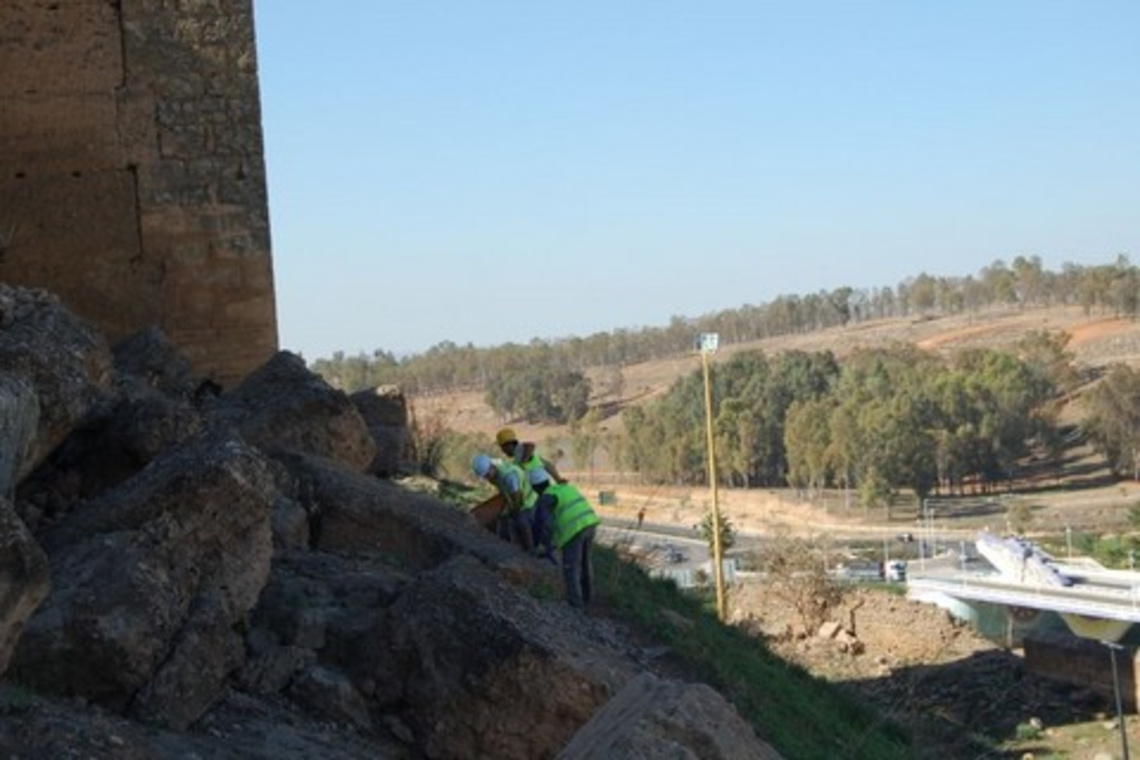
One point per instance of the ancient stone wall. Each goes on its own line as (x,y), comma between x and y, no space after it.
(132,176)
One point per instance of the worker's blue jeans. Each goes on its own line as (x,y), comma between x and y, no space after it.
(578,569)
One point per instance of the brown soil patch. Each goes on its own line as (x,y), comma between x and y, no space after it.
(935,676)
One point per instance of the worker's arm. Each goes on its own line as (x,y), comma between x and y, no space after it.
(512,492)
(553,471)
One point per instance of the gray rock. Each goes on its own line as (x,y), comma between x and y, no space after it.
(290,525)
(273,669)
(60,356)
(153,582)
(282,406)
(490,671)
(358,513)
(329,693)
(118,439)
(385,412)
(337,605)
(150,356)
(19,421)
(651,719)
(25,579)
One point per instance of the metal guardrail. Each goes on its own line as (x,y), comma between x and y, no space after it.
(1110,603)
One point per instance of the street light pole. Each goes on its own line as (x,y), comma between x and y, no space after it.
(707,343)
(1112,649)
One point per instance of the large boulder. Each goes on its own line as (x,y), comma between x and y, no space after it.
(67,363)
(490,671)
(153,582)
(385,412)
(117,440)
(283,406)
(653,718)
(358,513)
(25,579)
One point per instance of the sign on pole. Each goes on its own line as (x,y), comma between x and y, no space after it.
(707,342)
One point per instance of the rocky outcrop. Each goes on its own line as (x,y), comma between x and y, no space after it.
(385,412)
(116,441)
(490,672)
(217,575)
(283,406)
(66,363)
(152,582)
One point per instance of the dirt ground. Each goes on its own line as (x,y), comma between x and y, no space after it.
(955,692)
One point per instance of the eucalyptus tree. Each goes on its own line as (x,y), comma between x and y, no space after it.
(1009,407)
(1113,419)
(808,442)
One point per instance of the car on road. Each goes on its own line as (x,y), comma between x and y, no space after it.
(894,571)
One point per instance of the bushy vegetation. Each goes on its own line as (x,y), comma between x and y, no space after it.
(538,393)
(438,451)
(883,421)
(1114,419)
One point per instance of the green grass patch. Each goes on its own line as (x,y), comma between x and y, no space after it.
(801,716)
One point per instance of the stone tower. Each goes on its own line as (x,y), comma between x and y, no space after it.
(132,170)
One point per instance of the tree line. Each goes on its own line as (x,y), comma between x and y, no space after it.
(449,367)
(884,420)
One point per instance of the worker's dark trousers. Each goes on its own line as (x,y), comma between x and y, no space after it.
(578,569)
(521,529)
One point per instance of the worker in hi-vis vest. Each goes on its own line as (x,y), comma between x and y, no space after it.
(517,517)
(568,522)
(525,454)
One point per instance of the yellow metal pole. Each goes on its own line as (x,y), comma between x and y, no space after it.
(718,552)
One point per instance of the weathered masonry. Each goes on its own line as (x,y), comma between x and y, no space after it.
(132,170)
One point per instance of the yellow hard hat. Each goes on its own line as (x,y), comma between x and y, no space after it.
(505,435)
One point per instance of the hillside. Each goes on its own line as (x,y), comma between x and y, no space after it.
(1096,341)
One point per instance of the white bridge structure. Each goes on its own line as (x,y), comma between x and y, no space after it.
(1024,584)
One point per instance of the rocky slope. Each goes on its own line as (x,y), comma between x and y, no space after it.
(190,571)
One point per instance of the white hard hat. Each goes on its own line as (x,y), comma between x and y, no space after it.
(481,464)
(538,475)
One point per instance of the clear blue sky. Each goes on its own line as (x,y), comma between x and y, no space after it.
(496,171)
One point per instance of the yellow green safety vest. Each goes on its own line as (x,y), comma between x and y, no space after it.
(572,514)
(529,497)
